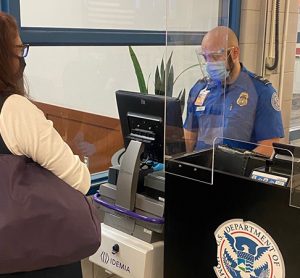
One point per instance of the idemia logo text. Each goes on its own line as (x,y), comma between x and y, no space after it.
(245,250)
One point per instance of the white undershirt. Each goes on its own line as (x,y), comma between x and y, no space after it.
(26,131)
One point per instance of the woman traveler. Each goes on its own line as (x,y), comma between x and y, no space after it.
(24,130)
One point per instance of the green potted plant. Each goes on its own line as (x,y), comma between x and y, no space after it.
(163,80)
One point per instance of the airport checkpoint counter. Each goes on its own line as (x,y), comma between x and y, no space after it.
(132,232)
(133,199)
(245,224)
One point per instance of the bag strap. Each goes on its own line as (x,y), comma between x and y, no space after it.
(3,147)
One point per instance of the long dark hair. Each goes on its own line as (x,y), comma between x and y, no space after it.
(10,83)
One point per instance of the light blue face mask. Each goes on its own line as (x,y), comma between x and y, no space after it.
(217,70)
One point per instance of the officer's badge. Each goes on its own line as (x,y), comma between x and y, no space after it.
(275,101)
(201,97)
(243,99)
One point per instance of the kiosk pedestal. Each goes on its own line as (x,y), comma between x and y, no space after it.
(235,227)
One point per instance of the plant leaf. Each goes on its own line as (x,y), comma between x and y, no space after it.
(182,99)
(168,66)
(170,82)
(138,71)
(148,82)
(162,78)
(169,76)
(157,84)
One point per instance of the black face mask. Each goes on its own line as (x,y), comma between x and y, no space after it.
(19,74)
(22,65)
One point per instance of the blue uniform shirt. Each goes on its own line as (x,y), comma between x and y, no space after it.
(246,110)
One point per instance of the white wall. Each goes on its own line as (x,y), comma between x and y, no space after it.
(86,77)
(296,86)
(106,14)
(191,15)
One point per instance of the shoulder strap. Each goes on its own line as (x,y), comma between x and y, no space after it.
(3,148)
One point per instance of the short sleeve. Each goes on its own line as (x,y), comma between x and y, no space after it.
(268,121)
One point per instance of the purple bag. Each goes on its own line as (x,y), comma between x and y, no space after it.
(44,222)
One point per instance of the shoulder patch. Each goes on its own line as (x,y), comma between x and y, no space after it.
(275,101)
(260,78)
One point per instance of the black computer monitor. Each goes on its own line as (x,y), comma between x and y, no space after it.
(142,118)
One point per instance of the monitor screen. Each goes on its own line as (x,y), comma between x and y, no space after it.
(142,118)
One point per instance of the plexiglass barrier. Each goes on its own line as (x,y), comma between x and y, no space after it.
(189,137)
(276,165)
(77,91)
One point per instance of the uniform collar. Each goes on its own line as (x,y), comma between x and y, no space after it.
(212,84)
(202,83)
(240,81)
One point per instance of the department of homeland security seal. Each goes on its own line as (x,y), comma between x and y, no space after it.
(246,250)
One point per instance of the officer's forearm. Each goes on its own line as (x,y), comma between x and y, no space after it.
(265,147)
(264,150)
(190,139)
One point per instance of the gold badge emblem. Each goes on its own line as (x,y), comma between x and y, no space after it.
(243,99)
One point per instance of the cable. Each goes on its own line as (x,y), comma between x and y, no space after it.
(120,155)
(116,157)
(274,66)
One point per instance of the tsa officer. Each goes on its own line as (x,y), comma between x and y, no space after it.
(232,102)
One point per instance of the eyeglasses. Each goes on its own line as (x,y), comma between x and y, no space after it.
(214,55)
(23,50)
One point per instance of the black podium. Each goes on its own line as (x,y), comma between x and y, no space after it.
(260,231)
